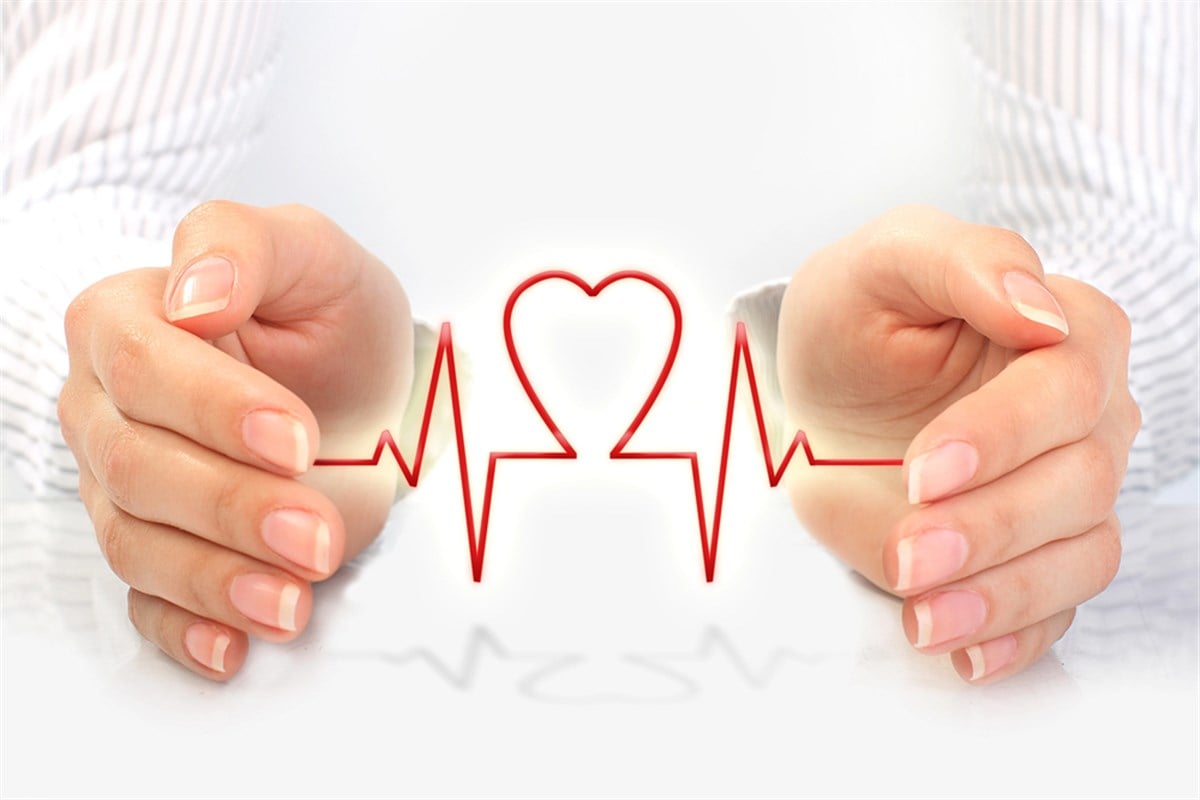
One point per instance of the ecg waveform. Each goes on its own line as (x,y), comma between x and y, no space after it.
(709,533)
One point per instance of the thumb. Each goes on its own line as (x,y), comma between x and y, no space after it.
(231,262)
(931,267)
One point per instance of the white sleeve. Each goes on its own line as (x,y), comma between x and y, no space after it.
(116,118)
(1089,150)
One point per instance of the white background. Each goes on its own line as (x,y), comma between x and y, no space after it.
(716,145)
(724,140)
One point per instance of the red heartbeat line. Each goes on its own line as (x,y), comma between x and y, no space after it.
(477,534)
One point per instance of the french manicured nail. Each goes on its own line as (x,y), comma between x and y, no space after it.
(988,657)
(948,616)
(299,536)
(941,471)
(266,599)
(277,437)
(204,287)
(207,645)
(1033,301)
(929,557)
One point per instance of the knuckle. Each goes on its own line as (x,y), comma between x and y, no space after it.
(118,462)
(1119,322)
(219,225)
(1070,621)
(90,493)
(71,418)
(212,416)
(76,317)
(113,534)
(1008,241)
(227,507)
(203,216)
(1013,601)
(1109,551)
(127,361)
(1005,530)
(1135,418)
(1103,474)
(993,247)
(306,215)
(90,309)
(196,590)
(894,228)
(133,608)
(1082,375)
(64,409)
(163,628)
(1019,597)
(325,235)
(909,215)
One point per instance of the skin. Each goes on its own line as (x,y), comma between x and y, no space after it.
(315,327)
(895,339)
(901,337)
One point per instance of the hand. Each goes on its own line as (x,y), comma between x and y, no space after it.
(923,334)
(196,398)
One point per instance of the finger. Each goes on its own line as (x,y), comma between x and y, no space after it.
(1053,497)
(73,402)
(197,575)
(288,290)
(90,492)
(929,267)
(1007,655)
(205,647)
(231,261)
(1014,595)
(159,476)
(167,377)
(1044,399)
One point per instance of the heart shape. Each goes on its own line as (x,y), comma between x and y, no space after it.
(568,450)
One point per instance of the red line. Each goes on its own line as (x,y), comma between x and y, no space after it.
(477,534)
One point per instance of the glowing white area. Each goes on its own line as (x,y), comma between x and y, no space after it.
(593,361)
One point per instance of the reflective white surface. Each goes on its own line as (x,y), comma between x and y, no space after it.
(590,670)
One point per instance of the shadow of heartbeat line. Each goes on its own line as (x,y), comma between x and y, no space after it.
(715,645)
(709,533)
(680,675)
(482,645)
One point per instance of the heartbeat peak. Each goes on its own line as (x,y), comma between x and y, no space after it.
(709,533)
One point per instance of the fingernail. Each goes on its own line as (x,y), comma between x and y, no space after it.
(1033,301)
(207,645)
(941,471)
(990,656)
(929,557)
(947,616)
(277,437)
(204,287)
(266,599)
(299,536)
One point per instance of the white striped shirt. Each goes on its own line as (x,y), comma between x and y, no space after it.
(117,118)
(1089,116)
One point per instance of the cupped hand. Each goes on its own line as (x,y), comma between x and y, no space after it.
(198,398)
(1005,389)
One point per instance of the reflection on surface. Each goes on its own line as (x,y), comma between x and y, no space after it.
(786,677)
(56,584)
